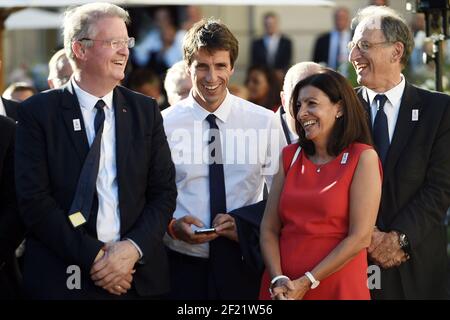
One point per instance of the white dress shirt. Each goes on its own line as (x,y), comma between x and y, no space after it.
(2,108)
(391,107)
(246,165)
(108,217)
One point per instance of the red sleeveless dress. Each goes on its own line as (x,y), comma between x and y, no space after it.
(314,211)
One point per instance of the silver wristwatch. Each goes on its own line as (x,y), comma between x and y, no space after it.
(403,241)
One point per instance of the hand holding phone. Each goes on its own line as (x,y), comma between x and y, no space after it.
(205,231)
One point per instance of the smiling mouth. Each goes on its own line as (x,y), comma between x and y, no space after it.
(119,62)
(361,66)
(308,123)
(210,88)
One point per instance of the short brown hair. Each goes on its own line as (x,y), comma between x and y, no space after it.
(211,35)
(351,127)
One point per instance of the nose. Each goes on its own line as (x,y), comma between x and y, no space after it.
(124,49)
(212,75)
(354,54)
(302,112)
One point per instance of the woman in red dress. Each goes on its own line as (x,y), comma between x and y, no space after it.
(324,200)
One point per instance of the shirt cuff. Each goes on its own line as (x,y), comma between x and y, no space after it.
(137,248)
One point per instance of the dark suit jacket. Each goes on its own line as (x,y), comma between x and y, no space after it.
(49,158)
(10,108)
(416,195)
(11,227)
(283,56)
(322,48)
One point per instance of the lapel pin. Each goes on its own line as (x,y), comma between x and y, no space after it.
(344,158)
(415,115)
(77,219)
(124,110)
(76,125)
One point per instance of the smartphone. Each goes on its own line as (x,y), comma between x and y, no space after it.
(206,230)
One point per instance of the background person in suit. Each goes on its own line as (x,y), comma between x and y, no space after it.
(411,131)
(11,227)
(213,265)
(119,249)
(273,50)
(331,47)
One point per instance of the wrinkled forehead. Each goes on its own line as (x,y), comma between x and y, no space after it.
(370,29)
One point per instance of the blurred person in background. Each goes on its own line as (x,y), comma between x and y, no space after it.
(8,108)
(274,49)
(263,87)
(177,83)
(160,40)
(145,81)
(59,69)
(330,48)
(19,91)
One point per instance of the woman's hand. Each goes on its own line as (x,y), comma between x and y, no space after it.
(297,288)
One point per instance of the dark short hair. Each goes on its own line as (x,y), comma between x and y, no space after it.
(211,35)
(351,127)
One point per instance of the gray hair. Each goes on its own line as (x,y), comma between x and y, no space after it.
(394,27)
(173,82)
(56,63)
(299,72)
(80,22)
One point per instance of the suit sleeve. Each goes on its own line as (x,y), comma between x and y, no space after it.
(11,227)
(289,53)
(427,208)
(161,194)
(41,213)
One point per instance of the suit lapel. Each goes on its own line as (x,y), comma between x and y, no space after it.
(71,112)
(360,92)
(403,128)
(123,129)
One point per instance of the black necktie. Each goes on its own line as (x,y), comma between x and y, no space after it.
(217,195)
(86,187)
(380,128)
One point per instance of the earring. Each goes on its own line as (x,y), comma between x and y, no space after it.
(338,116)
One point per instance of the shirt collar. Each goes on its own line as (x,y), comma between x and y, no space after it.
(222,112)
(394,95)
(88,101)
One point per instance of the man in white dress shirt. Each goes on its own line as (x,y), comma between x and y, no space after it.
(212,181)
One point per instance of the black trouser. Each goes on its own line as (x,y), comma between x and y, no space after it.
(190,278)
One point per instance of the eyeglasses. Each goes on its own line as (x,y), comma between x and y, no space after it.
(365,46)
(114,44)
